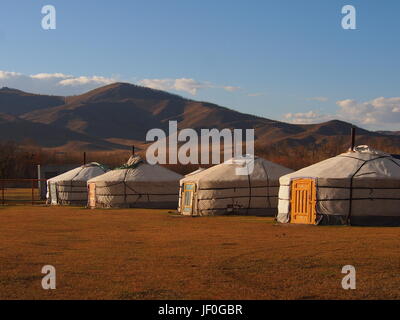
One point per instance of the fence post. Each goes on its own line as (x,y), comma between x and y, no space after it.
(2,192)
(39,175)
(33,192)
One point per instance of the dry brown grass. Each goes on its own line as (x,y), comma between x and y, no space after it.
(150,254)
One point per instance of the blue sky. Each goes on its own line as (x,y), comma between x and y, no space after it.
(286,60)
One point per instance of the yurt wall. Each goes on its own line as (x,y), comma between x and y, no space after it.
(70,187)
(220,190)
(136,184)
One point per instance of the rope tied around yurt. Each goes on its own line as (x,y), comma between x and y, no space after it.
(250,193)
(132,163)
(83,167)
(268,188)
(351,182)
(96,164)
(395,162)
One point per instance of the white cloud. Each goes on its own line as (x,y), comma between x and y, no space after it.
(65,84)
(379,112)
(50,76)
(231,88)
(184,84)
(188,85)
(79,81)
(307,117)
(8,74)
(376,114)
(52,83)
(160,84)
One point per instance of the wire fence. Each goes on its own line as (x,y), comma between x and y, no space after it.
(22,191)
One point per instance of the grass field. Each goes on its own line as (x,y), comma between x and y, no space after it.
(150,254)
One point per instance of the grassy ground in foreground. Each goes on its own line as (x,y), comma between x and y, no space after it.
(153,254)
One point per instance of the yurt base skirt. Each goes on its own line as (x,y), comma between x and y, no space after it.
(73,203)
(375,221)
(142,205)
(331,220)
(263,212)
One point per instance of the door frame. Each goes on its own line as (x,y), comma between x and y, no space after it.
(188,209)
(53,193)
(92,195)
(308,185)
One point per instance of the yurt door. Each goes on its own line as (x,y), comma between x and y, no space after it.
(303,201)
(53,193)
(92,195)
(187,199)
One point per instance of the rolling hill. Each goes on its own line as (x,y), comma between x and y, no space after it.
(118,115)
(16,129)
(16,102)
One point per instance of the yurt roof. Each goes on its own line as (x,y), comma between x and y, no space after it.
(226,171)
(82,173)
(137,169)
(362,163)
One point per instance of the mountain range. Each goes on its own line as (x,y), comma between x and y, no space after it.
(119,115)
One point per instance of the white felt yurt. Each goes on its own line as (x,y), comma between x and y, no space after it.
(70,188)
(361,187)
(136,184)
(237,186)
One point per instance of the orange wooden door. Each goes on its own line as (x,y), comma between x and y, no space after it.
(303,201)
(92,195)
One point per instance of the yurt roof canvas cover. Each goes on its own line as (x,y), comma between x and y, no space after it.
(137,169)
(226,172)
(360,164)
(82,173)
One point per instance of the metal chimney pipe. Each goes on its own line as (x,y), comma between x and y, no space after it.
(84,158)
(133,150)
(353,138)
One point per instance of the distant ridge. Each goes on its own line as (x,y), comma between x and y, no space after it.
(389,133)
(120,114)
(17,102)
(13,128)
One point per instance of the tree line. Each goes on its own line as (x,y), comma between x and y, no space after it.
(20,161)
